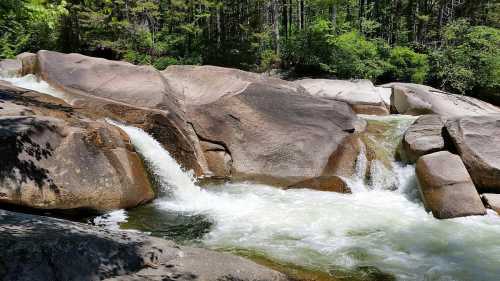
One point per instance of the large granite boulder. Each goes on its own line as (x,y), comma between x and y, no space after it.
(415,99)
(425,136)
(198,85)
(41,248)
(138,95)
(446,187)
(477,140)
(119,81)
(264,130)
(362,95)
(53,158)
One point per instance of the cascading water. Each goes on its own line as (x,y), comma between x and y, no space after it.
(329,232)
(31,82)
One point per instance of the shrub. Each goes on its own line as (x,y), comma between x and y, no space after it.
(407,65)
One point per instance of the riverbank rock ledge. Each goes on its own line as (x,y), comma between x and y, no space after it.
(415,99)
(477,140)
(44,249)
(423,137)
(361,95)
(53,158)
(446,187)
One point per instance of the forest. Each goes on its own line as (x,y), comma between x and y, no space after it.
(450,44)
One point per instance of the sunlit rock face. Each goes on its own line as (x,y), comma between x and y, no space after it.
(415,99)
(423,137)
(272,131)
(446,186)
(54,158)
(477,139)
(361,95)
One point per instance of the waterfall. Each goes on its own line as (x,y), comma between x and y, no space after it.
(389,230)
(329,232)
(31,82)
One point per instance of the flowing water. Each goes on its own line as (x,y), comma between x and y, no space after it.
(330,232)
(31,82)
(372,234)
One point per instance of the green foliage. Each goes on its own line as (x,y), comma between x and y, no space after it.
(407,65)
(379,40)
(28,25)
(356,57)
(470,59)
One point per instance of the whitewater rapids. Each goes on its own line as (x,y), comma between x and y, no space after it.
(389,230)
(373,227)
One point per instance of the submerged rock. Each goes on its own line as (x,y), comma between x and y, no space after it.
(477,140)
(415,99)
(423,137)
(492,201)
(40,248)
(361,95)
(324,183)
(54,158)
(446,186)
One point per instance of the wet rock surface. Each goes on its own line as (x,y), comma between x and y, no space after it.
(40,248)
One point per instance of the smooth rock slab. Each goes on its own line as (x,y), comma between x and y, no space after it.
(45,249)
(477,140)
(361,95)
(423,137)
(446,187)
(415,99)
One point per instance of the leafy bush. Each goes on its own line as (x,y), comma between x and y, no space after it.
(353,56)
(470,59)
(407,65)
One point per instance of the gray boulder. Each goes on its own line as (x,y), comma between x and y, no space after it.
(119,81)
(139,95)
(415,99)
(256,128)
(361,95)
(45,249)
(423,137)
(477,140)
(54,158)
(446,187)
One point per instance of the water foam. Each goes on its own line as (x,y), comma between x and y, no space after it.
(31,82)
(385,229)
(372,227)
